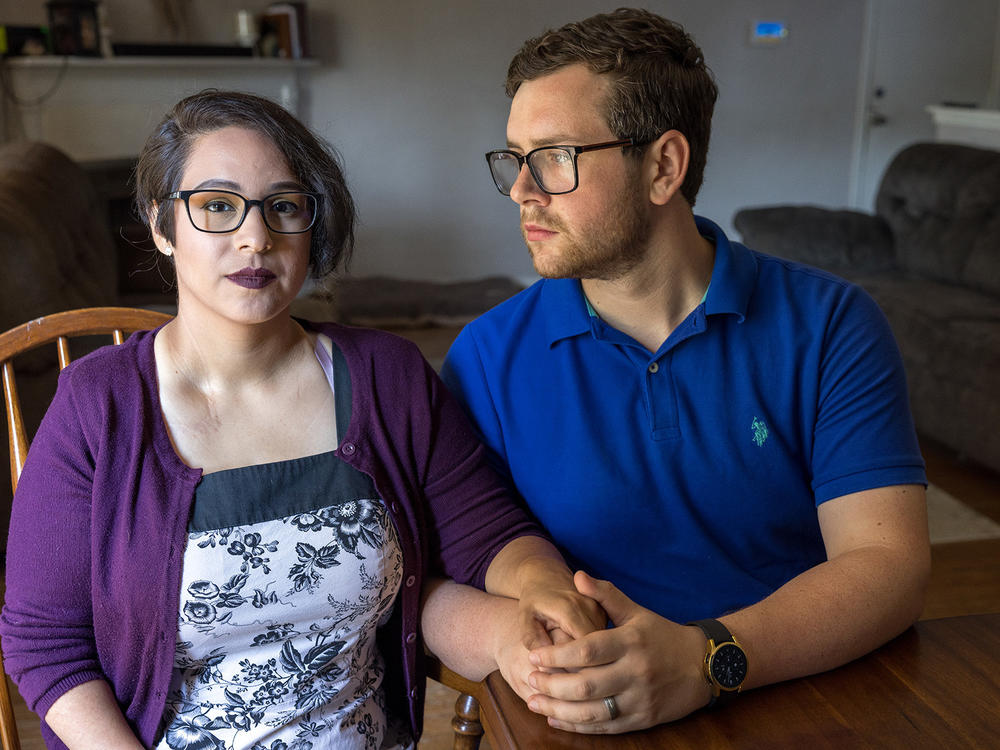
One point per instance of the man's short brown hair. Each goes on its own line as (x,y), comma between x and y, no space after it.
(659,78)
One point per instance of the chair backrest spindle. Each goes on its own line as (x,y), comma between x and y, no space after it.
(17,439)
(62,345)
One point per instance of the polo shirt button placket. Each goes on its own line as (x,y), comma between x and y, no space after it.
(660,398)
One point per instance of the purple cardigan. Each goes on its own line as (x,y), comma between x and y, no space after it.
(98,529)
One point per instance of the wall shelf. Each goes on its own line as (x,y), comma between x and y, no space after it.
(96,108)
(53,62)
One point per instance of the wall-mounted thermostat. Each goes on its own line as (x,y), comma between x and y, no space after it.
(768,33)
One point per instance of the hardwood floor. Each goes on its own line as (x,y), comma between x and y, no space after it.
(965,578)
(976,486)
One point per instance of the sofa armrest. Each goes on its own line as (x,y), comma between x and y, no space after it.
(838,241)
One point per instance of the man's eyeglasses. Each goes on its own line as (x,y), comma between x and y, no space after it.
(219,211)
(553,167)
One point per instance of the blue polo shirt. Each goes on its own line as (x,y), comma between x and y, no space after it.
(690,476)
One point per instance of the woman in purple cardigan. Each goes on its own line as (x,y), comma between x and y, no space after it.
(223,526)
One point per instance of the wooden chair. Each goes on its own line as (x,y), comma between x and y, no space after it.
(467,723)
(117,322)
(56,328)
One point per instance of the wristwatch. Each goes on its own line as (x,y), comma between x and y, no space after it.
(725,661)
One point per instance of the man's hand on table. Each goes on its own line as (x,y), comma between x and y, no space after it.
(650,666)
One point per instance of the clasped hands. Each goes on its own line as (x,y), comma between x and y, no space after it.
(566,662)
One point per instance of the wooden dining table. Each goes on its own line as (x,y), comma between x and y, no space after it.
(935,686)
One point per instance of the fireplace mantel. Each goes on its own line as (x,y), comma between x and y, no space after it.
(99,109)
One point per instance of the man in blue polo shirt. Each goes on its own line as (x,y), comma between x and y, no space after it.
(721,438)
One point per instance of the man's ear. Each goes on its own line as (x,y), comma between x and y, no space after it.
(671,155)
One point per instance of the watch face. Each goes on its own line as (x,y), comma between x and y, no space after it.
(729,666)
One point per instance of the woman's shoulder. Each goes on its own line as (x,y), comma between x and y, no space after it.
(112,367)
(98,385)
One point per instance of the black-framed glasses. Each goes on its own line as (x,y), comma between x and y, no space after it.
(553,167)
(219,211)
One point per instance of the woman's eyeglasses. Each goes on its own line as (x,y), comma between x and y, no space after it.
(220,211)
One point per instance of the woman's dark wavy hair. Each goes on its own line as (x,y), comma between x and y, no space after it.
(314,163)
(659,77)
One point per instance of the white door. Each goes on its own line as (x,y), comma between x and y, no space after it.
(920,52)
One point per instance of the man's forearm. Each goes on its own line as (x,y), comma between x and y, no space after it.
(531,570)
(524,561)
(830,614)
(870,589)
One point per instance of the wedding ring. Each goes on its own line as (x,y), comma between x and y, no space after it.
(612,707)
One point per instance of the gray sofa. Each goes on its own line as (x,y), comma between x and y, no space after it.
(930,256)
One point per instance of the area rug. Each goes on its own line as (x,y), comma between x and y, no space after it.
(951,520)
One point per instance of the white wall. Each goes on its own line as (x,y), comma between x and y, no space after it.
(415,99)
(411,93)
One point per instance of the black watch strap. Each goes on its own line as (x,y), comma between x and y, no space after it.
(715,630)
(718,634)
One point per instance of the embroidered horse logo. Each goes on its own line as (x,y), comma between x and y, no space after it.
(759,431)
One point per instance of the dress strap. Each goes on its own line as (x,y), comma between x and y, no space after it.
(324,361)
(338,376)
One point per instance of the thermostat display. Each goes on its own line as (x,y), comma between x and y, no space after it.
(768,32)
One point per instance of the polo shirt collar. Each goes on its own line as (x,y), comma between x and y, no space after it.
(733,275)
(565,309)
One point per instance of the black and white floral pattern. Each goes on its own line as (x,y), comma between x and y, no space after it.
(276,646)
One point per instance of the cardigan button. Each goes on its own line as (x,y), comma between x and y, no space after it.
(412,637)
(395,508)
(410,581)
(349,449)
(413,694)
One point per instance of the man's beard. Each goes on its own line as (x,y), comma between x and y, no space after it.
(607,251)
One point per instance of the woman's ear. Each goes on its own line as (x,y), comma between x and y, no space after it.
(162,244)
(671,155)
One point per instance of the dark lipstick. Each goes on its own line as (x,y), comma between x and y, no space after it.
(252,278)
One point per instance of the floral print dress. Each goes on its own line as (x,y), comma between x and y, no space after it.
(289,569)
